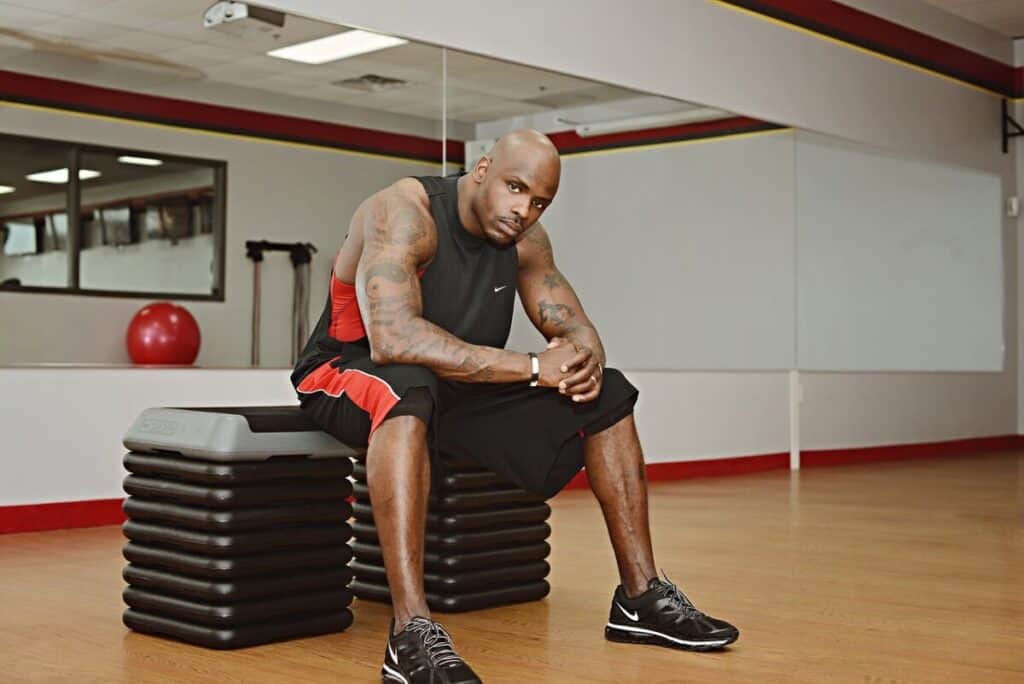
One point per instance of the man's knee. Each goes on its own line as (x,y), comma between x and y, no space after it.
(417,402)
(614,384)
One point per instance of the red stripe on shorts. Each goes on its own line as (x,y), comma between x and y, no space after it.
(368,392)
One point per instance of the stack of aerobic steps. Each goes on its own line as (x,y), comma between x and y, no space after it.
(485,542)
(238,526)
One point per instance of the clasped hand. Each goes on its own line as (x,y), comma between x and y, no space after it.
(573,368)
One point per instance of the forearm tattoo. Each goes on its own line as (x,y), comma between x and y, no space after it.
(553,280)
(555,314)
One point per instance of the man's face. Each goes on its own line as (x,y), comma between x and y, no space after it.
(513,195)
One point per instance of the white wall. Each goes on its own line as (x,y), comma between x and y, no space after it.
(63,427)
(62,444)
(275,191)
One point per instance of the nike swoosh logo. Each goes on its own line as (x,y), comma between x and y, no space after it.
(635,617)
(499,289)
(392,653)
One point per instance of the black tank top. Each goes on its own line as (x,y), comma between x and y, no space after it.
(468,289)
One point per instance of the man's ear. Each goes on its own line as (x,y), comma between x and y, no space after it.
(481,168)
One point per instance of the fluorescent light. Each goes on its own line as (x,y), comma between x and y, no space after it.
(338,46)
(6,189)
(61,175)
(654,121)
(140,161)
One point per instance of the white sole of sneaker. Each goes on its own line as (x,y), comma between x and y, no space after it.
(640,635)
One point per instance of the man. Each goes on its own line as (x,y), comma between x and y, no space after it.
(409,358)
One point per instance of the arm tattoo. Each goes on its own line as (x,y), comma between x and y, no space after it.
(407,234)
(553,280)
(556,314)
(383,270)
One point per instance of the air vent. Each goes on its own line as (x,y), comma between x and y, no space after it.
(371,83)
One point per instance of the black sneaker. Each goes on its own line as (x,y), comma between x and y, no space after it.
(422,653)
(664,616)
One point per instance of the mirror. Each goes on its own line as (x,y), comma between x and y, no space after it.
(33,213)
(149,224)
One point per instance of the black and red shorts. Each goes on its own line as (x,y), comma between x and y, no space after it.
(533,436)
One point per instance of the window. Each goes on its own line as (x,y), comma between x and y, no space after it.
(149,224)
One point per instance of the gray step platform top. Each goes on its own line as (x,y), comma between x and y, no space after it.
(233,433)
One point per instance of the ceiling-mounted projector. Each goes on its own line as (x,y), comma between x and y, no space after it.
(222,13)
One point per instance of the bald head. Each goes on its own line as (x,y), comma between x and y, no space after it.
(513,184)
(527,147)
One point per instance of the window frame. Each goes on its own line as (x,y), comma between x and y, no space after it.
(72,208)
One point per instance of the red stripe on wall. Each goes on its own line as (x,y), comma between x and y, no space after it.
(867,30)
(682,470)
(900,452)
(53,516)
(62,515)
(124,104)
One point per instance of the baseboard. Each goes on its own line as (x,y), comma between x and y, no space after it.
(74,514)
(714,467)
(60,515)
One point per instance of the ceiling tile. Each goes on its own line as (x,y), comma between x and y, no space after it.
(288,85)
(17,17)
(500,110)
(201,55)
(15,43)
(237,74)
(143,13)
(516,82)
(464,63)
(145,42)
(57,6)
(190,29)
(1003,16)
(425,110)
(75,29)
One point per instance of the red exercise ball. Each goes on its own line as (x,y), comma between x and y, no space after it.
(163,333)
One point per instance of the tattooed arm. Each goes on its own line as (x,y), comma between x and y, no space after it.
(400,238)
(556,312)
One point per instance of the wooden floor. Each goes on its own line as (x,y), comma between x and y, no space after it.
(896,572)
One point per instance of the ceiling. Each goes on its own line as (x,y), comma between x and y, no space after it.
(1002,16)
(168,35)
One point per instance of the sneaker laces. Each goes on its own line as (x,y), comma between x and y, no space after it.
(436,640)
(670,591)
